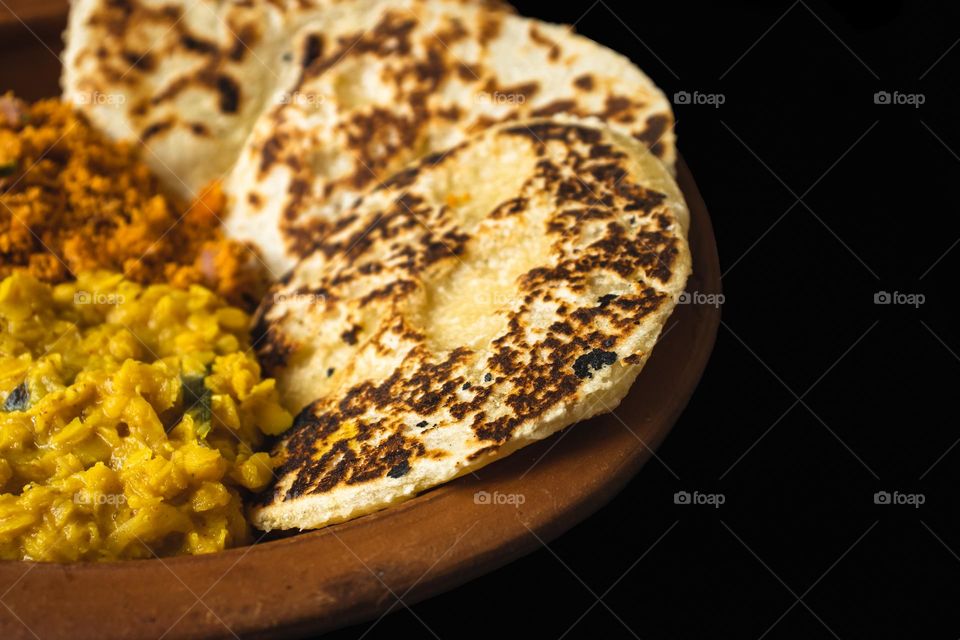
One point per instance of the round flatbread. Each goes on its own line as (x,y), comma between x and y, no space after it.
(477,301)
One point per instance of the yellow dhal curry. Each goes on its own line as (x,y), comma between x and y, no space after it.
(130,420)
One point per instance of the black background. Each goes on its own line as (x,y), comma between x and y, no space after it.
(820,199)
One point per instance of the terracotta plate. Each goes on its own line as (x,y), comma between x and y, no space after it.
(347,573)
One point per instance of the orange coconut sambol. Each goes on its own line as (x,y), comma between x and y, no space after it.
(72,201)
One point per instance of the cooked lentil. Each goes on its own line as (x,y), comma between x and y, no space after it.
(131,420)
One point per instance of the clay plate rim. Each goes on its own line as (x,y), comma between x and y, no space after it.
(321,580)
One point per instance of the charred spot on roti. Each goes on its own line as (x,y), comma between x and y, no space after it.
(585,82)
(652,136)
(229,93)
(156,128)
(244,39)
(269,152)
(140,61)
(199,129)
(312,49)
(479,453)
(390,36)
(555,107)
(400,179)
(490,27)
(468,72)
(519,92)
(543,131)
(399,470)
(452,32)
(375,136)
(640,199)
(197,44)
(618,108)
(510,207)
(308,234)
(595,360)
(350,336)
(553,49)
(434,159)
(273,348)
(432,70)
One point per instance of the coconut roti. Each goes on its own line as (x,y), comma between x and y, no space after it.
(476,302)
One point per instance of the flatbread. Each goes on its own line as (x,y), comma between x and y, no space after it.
(374,90)
(188,78)
(477,301)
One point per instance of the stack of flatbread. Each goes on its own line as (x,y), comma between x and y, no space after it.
(471,216)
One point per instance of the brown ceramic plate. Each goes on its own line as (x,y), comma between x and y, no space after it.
(324,579)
